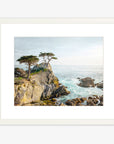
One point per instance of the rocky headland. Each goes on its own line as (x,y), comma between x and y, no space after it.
(42,87)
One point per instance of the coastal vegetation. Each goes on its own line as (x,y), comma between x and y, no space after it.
(28,60)
(32,60)
(47,57)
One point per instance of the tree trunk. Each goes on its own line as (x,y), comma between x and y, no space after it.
(29,72)
(44,60)
(49,61)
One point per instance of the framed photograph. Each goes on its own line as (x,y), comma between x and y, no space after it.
(57,71)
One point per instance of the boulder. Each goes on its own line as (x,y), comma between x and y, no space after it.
(76,101)
(90,102)
(93,100)
(100,104)
(60,92)
(62,104)
(20,72)
(87,82)
(69,103)
(101,101)
(101,98)
(99,85)
(78,78)
(83,101)
(54,100)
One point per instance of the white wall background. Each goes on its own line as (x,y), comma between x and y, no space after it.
(56,8)
(56,134)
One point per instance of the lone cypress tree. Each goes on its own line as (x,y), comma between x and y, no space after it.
(47,57)
(50,56)
(43,55)
(29,60)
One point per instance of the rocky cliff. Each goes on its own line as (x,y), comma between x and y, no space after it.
(43,85)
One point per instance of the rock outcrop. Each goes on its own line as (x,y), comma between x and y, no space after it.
(99,85)
(87,82)
(42,66)
(89,101)
(27,92)
(62,90)
(75,102)
(20,72)
(42,86)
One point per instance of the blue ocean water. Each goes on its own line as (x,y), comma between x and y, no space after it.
(68,75)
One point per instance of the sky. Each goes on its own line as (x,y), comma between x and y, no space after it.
(68,50)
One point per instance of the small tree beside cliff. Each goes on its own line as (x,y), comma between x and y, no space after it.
(50,56)
(47,57)
(43,55)
(28,60)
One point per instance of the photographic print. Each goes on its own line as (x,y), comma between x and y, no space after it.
(58,71)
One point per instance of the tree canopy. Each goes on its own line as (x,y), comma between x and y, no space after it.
(32,60)
(47,57)
(29,60)
(42,54)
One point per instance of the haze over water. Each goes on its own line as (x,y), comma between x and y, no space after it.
(68,50)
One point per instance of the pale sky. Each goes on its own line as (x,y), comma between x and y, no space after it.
(68,50)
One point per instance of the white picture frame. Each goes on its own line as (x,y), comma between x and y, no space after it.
(59,121)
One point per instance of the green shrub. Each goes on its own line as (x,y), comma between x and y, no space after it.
(39,70)
(18,80)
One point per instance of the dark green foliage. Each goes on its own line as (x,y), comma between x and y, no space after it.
(47,57)
(20,78)
(42,54)
(39,70)
(54,58)
(29,60)
(50,54)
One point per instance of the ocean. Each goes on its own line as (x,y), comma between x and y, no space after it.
(68,76)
